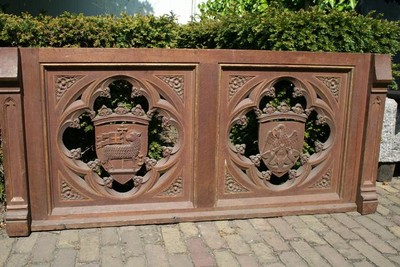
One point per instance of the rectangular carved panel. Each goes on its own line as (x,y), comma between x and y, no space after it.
(137,136)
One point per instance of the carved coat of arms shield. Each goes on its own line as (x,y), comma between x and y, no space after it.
(280,144)
(121,144)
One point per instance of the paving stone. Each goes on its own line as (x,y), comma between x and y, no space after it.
(375,228)
(337,242)
(41,264)
(16,259)
(246,230)
(89,245)
(225,228)
(395,230)
(363,263)
(332,256)
(43,250)
(291,258)
(369,252)
(261,224)
(313,223)
(189,229)
(295,221)
(132,244)
(395,259)
(150,234)
(275,241)
(263,253)
(283,228)
(394,199)
(180,260)
(225,259)
(210,234)
(199,252)
(25,244)
(136,261)
(389,188)
(109,236)
(68,239)
(339,228)
(375,241)
(237,244)
(383,210)
(111,256)
(172,240)
(395,244)
(276,264)
(247,260)
(346,220)
(156,255)
(380,219)
(310,236)
(65,257)
(6,246)
(309,254)
(84,264)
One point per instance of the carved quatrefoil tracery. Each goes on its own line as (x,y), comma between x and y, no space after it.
(120,136)
(281,134)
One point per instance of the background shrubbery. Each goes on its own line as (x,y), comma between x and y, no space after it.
(273,28)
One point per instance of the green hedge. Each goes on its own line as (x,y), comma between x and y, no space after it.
(274,29)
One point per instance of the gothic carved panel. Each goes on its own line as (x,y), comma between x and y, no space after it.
(281,132)
(236,82)
(120,136)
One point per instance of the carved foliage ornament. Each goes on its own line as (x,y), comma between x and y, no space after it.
(236,82)
(63,83)
(332,83)
(231,186)
(175,82)
(176,189)
(69,193)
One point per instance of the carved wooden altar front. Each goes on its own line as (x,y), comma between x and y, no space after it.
(101,137)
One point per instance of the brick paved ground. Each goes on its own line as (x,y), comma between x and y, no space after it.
(344,239)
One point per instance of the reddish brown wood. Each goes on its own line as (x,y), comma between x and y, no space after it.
(202,175)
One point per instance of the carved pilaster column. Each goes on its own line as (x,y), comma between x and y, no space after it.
(380,78)
(13,137)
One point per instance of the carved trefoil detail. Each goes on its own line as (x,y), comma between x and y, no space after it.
(175,189)
(236,82)
(69,193)
(175,82)
(63,83)
(333,84)
(325,181)
(231,186)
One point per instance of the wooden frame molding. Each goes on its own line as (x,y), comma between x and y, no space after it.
(198,134)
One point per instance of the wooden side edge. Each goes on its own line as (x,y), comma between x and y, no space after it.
(380,77)
(13,138)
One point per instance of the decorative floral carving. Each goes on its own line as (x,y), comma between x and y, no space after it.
(137,181)
(258,112)
(297,92)
(63,83)
(256,160)
(266,175)
(166,151)
(377,100)
(151,113)
(332,83)
(149,163)
(138,111)
(104,111)
(236,82)
(321,120)
(292,174)
(175,189)
(231,186)
(240,149)
(283,107)
(105,92)
(75,153)
(325,181)
(318,146)
(304,159)
(243,121)
(121,109)
(75,124)
(270,92)
(94,165)
(269,109)
(298,109)
(69,193)
(108,181)
(175,82)
(136,92)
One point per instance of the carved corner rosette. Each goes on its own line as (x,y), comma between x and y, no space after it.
(175,82)
(69,193)
(64,82)
(236,82)
(333,84)
(175,189)
(231,186)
